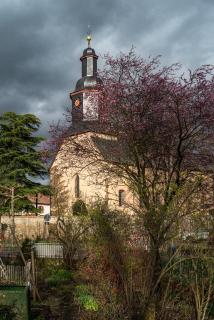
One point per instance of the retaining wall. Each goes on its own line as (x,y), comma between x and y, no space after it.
(28,226)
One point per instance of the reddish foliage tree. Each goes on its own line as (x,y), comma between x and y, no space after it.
(163,121)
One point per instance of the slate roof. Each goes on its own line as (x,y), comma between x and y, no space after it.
(112,150)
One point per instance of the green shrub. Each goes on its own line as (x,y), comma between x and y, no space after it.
(79,208)
(40,318)
(7,312)
(85,299)
(58,276)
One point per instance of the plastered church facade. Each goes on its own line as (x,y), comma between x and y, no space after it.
(74,175)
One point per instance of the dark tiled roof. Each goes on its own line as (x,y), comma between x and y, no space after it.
(111,149)
(88,82)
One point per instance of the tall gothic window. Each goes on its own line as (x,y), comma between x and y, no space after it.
(121,197)
(77,186)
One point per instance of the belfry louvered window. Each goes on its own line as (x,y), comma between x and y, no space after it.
(77,186)
(121,197)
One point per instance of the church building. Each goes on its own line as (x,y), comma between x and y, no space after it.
(82,173)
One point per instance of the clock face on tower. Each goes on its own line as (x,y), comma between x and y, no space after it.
(77,102)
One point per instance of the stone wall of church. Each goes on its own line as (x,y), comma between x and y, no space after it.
(92,189)
(93,183)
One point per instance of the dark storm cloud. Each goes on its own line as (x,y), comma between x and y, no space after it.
(42,40)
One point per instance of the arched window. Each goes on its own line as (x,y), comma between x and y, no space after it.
(77,186)
(121,197)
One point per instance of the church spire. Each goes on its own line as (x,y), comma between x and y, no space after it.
(85,104)
(89,37)
(89,59)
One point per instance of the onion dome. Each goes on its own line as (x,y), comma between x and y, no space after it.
(89,78)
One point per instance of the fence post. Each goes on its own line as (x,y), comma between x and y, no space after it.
(33,274)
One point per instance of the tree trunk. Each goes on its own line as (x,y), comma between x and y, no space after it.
(154,289)
(12,209)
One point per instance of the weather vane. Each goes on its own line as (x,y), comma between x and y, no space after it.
(89,37)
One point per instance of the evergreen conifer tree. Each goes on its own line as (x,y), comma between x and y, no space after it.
(20,161)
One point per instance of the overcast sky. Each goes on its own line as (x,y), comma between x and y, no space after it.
(41,42)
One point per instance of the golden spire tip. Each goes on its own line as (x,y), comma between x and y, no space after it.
(89,37)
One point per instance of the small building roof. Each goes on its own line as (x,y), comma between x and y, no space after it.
(40,199)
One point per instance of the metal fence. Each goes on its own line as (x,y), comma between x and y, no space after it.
(9,251)
(13,274)
(48,250)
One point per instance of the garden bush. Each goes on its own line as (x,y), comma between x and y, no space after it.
(79,208)
(58,276)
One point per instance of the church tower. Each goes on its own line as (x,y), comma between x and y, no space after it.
(85,104)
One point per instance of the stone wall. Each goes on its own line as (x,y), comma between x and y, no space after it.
(28,226)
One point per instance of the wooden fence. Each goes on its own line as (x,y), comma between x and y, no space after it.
(18,275)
